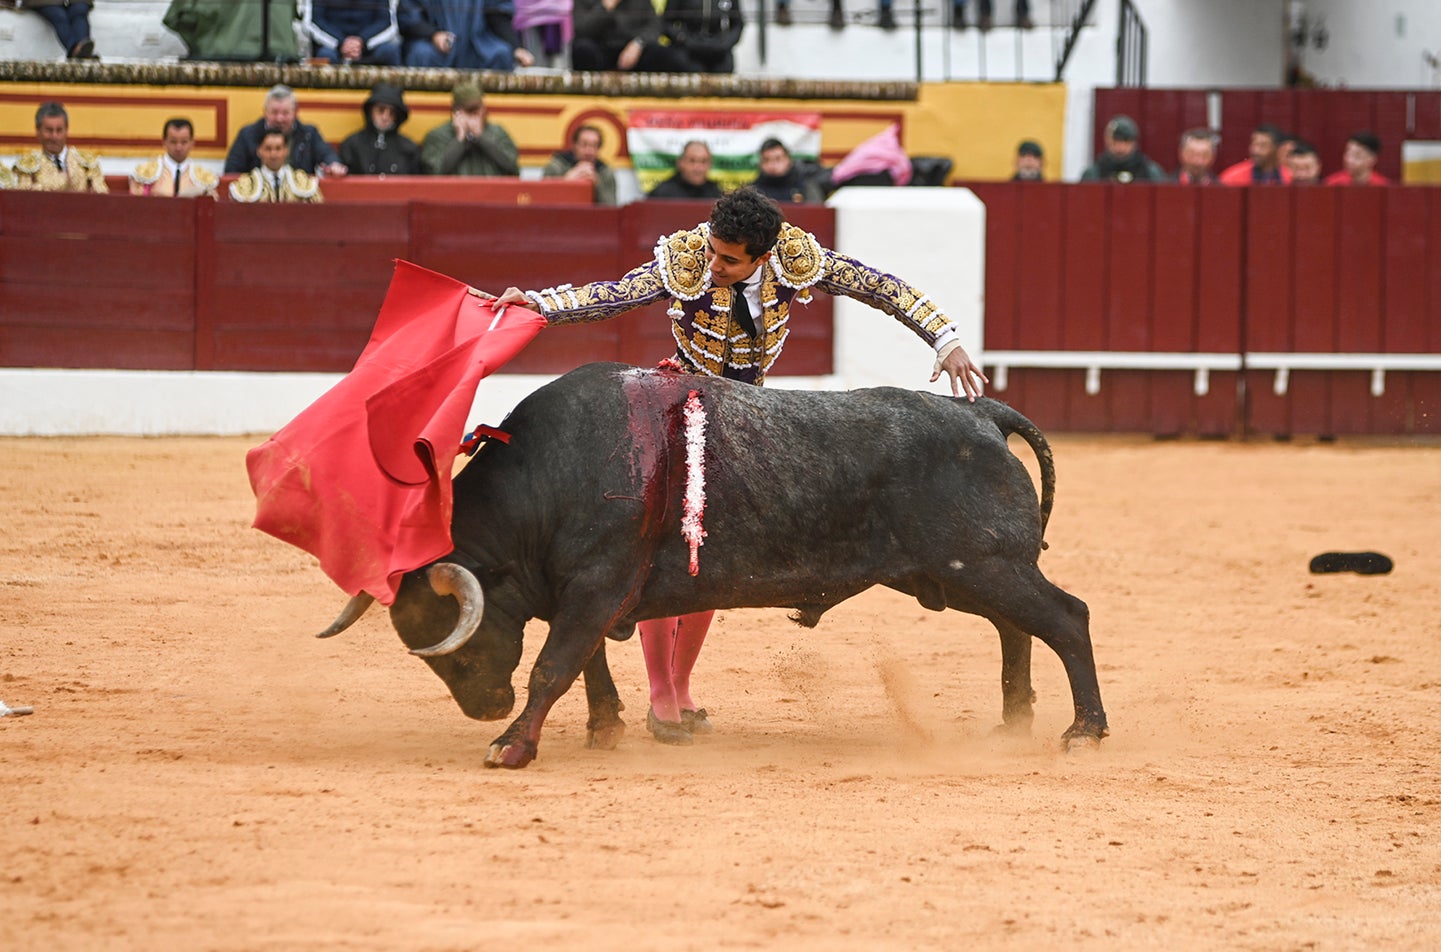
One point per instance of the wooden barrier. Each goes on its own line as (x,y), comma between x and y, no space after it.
(1159,309)
(126,282)
(453,189)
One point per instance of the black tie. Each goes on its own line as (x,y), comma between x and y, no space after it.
(58,164)
(741,309)
(177,181)
(277,186)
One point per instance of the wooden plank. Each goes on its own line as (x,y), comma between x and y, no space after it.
(236,223)
(1176,265)
(1267,325)
(85,216)
(99,348)
(1040,257)
(1003,262)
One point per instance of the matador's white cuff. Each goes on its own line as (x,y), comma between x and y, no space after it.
(944,352)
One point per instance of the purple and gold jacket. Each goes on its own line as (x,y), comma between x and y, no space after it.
(708,340)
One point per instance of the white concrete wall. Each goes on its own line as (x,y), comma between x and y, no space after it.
(934,238)
(1381,44)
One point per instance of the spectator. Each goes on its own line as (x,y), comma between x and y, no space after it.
(729,313)
(692,176)
(780,180)
(309,152)
(622,35)
(1305,164)
(71,21)
(7,179)
(1197,154)
(275,180)
(379,148)
(1358,162)
(350,32)
(582,163)
(705,32)
(885,15)
(1030,162)
(462,35)
(226,30)
(173,175)
(987,20)
(56,166)
(1122,161)
(1264,166)
(468,144)
(545,26)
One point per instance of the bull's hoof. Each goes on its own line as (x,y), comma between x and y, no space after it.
(511,756)
(1080,743)
(605,738)
(1016,729)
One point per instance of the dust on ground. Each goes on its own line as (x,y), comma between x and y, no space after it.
(200,773)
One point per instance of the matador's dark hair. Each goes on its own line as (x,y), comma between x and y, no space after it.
(747,217)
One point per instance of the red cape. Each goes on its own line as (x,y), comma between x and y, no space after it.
(361,478)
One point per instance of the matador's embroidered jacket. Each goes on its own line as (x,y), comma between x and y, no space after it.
(708,340)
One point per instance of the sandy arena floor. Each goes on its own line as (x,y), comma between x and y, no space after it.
(201,774)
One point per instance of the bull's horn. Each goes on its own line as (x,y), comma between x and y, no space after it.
(447,578)
(349,615)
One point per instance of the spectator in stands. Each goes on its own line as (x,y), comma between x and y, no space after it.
(1358,162)
(309,152)
(1122,161)
(885,15)
(622,35)
(172,174)
(779,178)
(1305,164)
(987,20)
(226,30)
(353,32)
(1264,167)
(1030,162)
(705,32)
(692,175)
(469,144)
(1197,154)
(275,180)
(379,148)
(443,33)
(544,27)
(582,163)
(57,166)
(71,21)
(7,179)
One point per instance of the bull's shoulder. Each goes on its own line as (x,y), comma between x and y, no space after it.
(680,259)
(799,257)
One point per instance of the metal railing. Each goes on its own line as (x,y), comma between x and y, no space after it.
(1131,41)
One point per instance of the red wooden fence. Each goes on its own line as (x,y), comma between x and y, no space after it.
(1268,281)
(125,282)
(1104,300)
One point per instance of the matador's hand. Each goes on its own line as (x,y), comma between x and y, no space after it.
(963,371)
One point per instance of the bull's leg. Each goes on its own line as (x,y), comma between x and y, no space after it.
(1017,697)
(604,728)
(1019,595)
(568,648)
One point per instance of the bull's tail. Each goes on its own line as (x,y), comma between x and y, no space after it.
(1009,420)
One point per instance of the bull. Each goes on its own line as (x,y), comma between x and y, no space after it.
(587,519)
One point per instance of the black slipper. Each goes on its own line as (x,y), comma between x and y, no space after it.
(1362,563)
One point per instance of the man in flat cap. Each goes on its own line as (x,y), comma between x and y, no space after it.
(1030,162)
(469,144)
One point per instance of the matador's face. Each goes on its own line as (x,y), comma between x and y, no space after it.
(729,262)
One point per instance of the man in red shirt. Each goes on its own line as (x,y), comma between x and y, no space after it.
(1264,167)
(1358,162)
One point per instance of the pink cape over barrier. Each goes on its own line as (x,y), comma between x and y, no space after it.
(361,479)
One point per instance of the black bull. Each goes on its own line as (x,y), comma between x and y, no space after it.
(810,498)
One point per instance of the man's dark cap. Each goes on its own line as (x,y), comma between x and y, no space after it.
(1123,129)
(1029,147)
